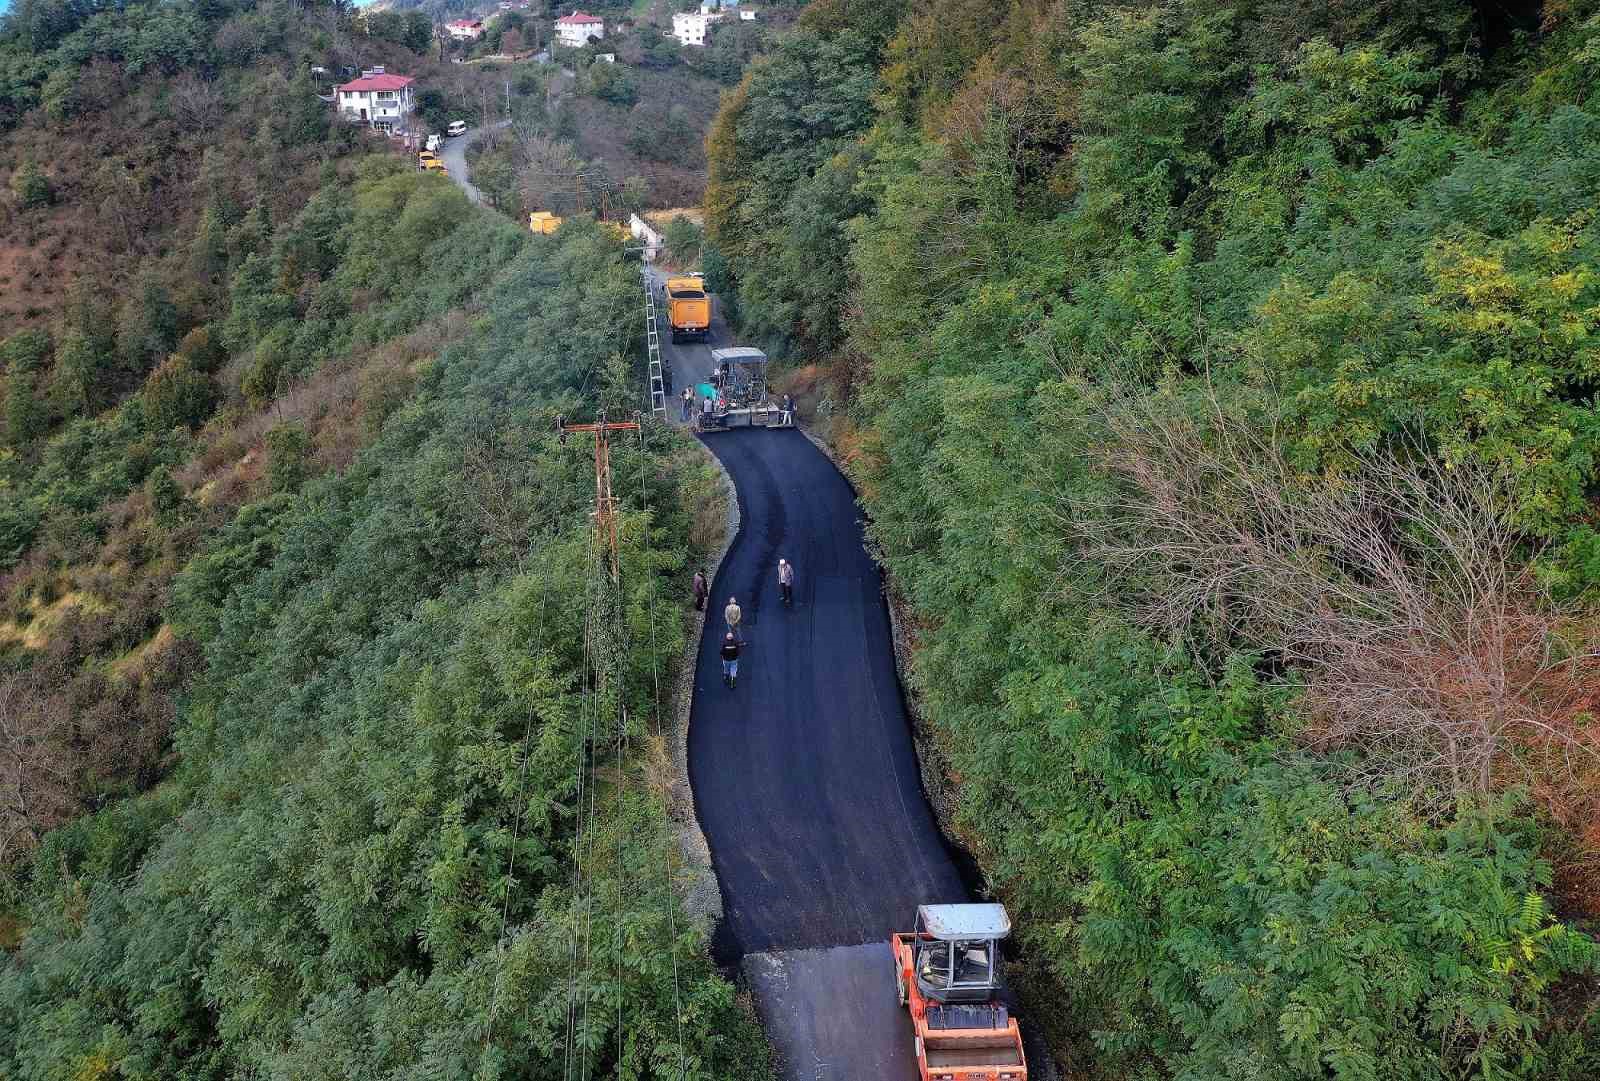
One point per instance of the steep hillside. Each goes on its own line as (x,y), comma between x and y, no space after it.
(1220,381)
(301,714)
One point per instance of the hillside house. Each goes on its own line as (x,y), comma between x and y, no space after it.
(578,29)
(691,27)
(465,29)
(747,15)
(377,99)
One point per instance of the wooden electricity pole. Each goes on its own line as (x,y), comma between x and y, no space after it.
(605,504)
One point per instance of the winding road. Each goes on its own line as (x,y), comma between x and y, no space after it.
(453,152)
(805,777)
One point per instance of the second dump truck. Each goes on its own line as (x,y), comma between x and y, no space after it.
(688,309)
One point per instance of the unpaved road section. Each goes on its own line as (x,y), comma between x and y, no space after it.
(453,152)
(805,777)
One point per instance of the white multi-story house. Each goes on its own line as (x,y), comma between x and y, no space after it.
(578,29)
(465,29)
(747,15)
(377,98)
(691,27)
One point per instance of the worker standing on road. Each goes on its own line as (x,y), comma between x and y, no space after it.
(733,615)
(701,591)
(688,403)
(730,661)
(786,581)
(705,412)
(788,411)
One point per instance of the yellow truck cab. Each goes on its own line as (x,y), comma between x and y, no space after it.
(427,159)
(688,308)
(543,222)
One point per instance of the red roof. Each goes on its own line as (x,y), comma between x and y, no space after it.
(467,24)
(578,18)
(378,82)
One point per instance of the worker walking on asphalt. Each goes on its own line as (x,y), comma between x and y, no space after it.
(701,591)
(788,411)
(733,615)
(730,661)
(786,581)
(688,403)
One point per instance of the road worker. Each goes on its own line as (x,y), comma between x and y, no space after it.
(733,615)
(786,581)
(730,661)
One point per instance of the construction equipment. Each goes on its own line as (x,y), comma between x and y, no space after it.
(688,308)
(428,160)
(543,222)
(738,387)
(947,971)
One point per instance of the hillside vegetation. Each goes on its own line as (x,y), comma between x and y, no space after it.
(297,679)
(1220,380)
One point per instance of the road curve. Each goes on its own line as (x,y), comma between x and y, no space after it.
(805,777)
(453,152)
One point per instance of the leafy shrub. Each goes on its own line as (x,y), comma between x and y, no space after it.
(31,187)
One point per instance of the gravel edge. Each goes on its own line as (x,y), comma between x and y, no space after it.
(703,898)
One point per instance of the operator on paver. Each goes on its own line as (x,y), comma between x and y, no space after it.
(730,661)
(786,581)
(705,412)
(733,615)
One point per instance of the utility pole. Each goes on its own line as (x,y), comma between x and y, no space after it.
(605,504)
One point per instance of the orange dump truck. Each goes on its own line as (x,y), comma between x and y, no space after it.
(688,308)
(947,971)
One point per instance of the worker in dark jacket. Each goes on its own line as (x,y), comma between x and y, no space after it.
(730,661)
(701,591)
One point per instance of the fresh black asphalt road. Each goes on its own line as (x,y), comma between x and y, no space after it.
(805,777)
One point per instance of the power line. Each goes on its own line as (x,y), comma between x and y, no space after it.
(666,854)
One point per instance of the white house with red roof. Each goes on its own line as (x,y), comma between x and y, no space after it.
(465,29)
(578,29)
(377,98)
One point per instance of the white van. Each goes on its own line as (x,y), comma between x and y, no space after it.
(457,127)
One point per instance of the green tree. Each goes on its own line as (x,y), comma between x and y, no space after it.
(288,457)
(27,350)
(683,239)
(167,500)
(85,370)
(27,413)
(177,395)
(31,187)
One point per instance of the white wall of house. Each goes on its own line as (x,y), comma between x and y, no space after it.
(642,230)
(691,27)
(380,108)
(577,35)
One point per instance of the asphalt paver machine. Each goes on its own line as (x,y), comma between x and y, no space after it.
(738,385)
(947,971)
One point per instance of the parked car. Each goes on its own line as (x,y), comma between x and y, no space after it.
(457,127)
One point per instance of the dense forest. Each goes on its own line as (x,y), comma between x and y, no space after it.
(1220,381)
(297,688)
